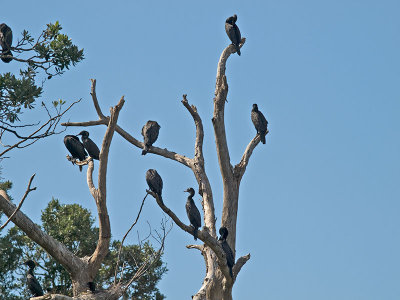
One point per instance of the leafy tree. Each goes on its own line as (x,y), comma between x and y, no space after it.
(42,58)
(72,225)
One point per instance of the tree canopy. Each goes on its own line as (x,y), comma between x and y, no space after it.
(41,58)
(72,225)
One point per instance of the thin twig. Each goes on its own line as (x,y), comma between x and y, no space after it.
(28,190)
(123,239)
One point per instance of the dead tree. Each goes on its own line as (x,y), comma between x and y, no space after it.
(217,283)
(83,269)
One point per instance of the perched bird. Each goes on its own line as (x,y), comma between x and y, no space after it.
(89,145)
(31,281)
(233,32)
(192,212)
(92,286)
(150,134)
(260,123)
(75,147)
(223,231)
(154,181)
(5,42)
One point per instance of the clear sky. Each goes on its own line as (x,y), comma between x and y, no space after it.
(319,207)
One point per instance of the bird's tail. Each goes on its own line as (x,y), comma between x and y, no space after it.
(145,149)
(6,59)
(237,49)
(195,233)
(230,271)
(262,136)
(80,168)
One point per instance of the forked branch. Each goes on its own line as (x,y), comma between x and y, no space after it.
(240,168)
(202,235)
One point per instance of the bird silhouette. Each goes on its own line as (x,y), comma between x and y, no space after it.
(233,32)
(260,123)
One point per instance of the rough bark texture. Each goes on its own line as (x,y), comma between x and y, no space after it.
(82,270)
(217,283)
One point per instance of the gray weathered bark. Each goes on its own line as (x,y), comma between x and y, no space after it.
(82,270)
(217,283)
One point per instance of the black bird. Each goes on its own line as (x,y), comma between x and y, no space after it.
(230,261)
(154,181)
(193,213)
(5,42)
(260,123)
(92,286)
(75,147)
(233,32)
(150,134)
(31,281)
(89,145)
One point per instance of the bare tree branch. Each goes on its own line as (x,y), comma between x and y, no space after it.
(239,264)
(148,263)
(56,249)
(198,153)
(95,102)
(52,122)
(202,235)
(123,239)
(240,168)
(104,222)
(89,176)
(230,185)
(103,120)
(198,247)
(28,190)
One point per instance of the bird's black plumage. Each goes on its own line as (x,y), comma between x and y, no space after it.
(92,286)
(31,281)
(89,145)
(75,147)
(154,181)
(150,134)
(233,32)
(260,123)
(230,260)
(192,212)
(5,42)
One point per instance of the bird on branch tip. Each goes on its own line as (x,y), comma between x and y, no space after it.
(89,145)
(150,134)
(192,212)
(31,281)
(233,32)
(260,123)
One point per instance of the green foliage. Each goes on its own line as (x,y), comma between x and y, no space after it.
(133,256)
(17,93)
(51,54)
(72,225)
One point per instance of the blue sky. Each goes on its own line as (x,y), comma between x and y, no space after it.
(319,204)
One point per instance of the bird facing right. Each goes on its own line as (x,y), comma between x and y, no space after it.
(5,42)
(260,123)
(31,281)
(233,32)
(192,212)
(154,182)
